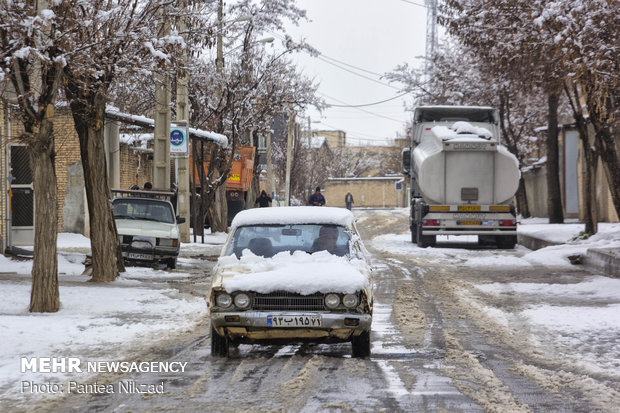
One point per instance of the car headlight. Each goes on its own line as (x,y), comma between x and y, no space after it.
(168,242)
(332,300)
(350,300)
(223,300)
(242,300)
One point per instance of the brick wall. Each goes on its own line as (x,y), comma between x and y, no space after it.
(67,153)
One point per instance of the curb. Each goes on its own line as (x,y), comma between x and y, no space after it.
(606,260)
(534,243)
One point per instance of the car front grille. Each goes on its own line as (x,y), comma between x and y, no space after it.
(286,301)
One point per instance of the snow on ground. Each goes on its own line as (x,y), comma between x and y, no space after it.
(574,318)
(552,256)
(96,321)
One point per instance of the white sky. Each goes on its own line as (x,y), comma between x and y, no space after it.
(374,35)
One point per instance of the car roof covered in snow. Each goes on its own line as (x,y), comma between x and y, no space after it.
(293,215)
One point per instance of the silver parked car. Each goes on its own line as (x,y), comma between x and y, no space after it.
(292,274)
(147,226)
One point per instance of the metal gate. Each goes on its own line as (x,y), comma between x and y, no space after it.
(21,197)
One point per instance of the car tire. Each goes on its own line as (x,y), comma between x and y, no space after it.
(360,345)
(414,234)
(219,344)
(506,242)
(424,240)
(171,263)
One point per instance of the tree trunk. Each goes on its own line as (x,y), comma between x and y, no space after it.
(44,296)
(608,150)
(522,205)
(89,119)
(218,210)
(590,161)
(554,200)
(590,157)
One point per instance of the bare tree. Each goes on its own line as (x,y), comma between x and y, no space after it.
(31,61)
(252,86)
(109,38)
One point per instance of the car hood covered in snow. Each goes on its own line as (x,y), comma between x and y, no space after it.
(300,273)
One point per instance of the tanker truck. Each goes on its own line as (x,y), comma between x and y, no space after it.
(462,179)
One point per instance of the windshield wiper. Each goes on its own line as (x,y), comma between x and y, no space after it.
(123,217)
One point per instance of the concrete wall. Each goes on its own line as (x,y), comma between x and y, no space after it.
(536,189)
(375,192)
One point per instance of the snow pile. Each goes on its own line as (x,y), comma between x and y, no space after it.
(608,237)
(459,129)
(300,272)
(95,322)
(462,128)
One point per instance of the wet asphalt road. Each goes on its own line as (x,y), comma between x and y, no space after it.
(431,351)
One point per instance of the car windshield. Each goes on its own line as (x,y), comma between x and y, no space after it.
(268,240)
(146,209)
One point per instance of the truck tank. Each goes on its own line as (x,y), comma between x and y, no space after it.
(464,164)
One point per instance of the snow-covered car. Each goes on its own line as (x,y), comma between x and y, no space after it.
(147,227)
(292,274)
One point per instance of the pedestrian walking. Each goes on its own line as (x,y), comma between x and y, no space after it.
(317,198)
(348,200)
(263,199)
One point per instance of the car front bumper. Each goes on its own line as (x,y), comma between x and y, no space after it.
(254,325)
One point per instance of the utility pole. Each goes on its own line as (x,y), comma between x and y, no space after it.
(183,193)
(289,156)
(270,185)
(161,155)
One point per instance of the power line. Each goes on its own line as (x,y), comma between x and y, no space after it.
(330,60)
(414,3)
(368,104)
(360,109)
(350,65)
(356,74)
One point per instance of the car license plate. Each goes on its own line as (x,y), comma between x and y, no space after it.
(470,222)
(294,321)
(137,256)
(469,208)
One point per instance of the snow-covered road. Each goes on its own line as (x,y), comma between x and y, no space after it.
(455,328)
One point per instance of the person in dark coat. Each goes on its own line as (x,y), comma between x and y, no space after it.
(263,199)
(348,200)
(317,198)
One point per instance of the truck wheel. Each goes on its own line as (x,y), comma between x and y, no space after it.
(414,234)
(360,345)
(507,242)
(424,240)
(219,344)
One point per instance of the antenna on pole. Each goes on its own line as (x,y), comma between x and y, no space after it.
(431,33)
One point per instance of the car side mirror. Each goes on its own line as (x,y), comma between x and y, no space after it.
(180,220)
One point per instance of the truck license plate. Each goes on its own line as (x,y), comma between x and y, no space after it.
(294,321)
(470,222)
(137,256)
(469,208)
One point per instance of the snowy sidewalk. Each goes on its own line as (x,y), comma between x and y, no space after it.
(96,321)
(601,251)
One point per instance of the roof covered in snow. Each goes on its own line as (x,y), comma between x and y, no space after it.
(293,215)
